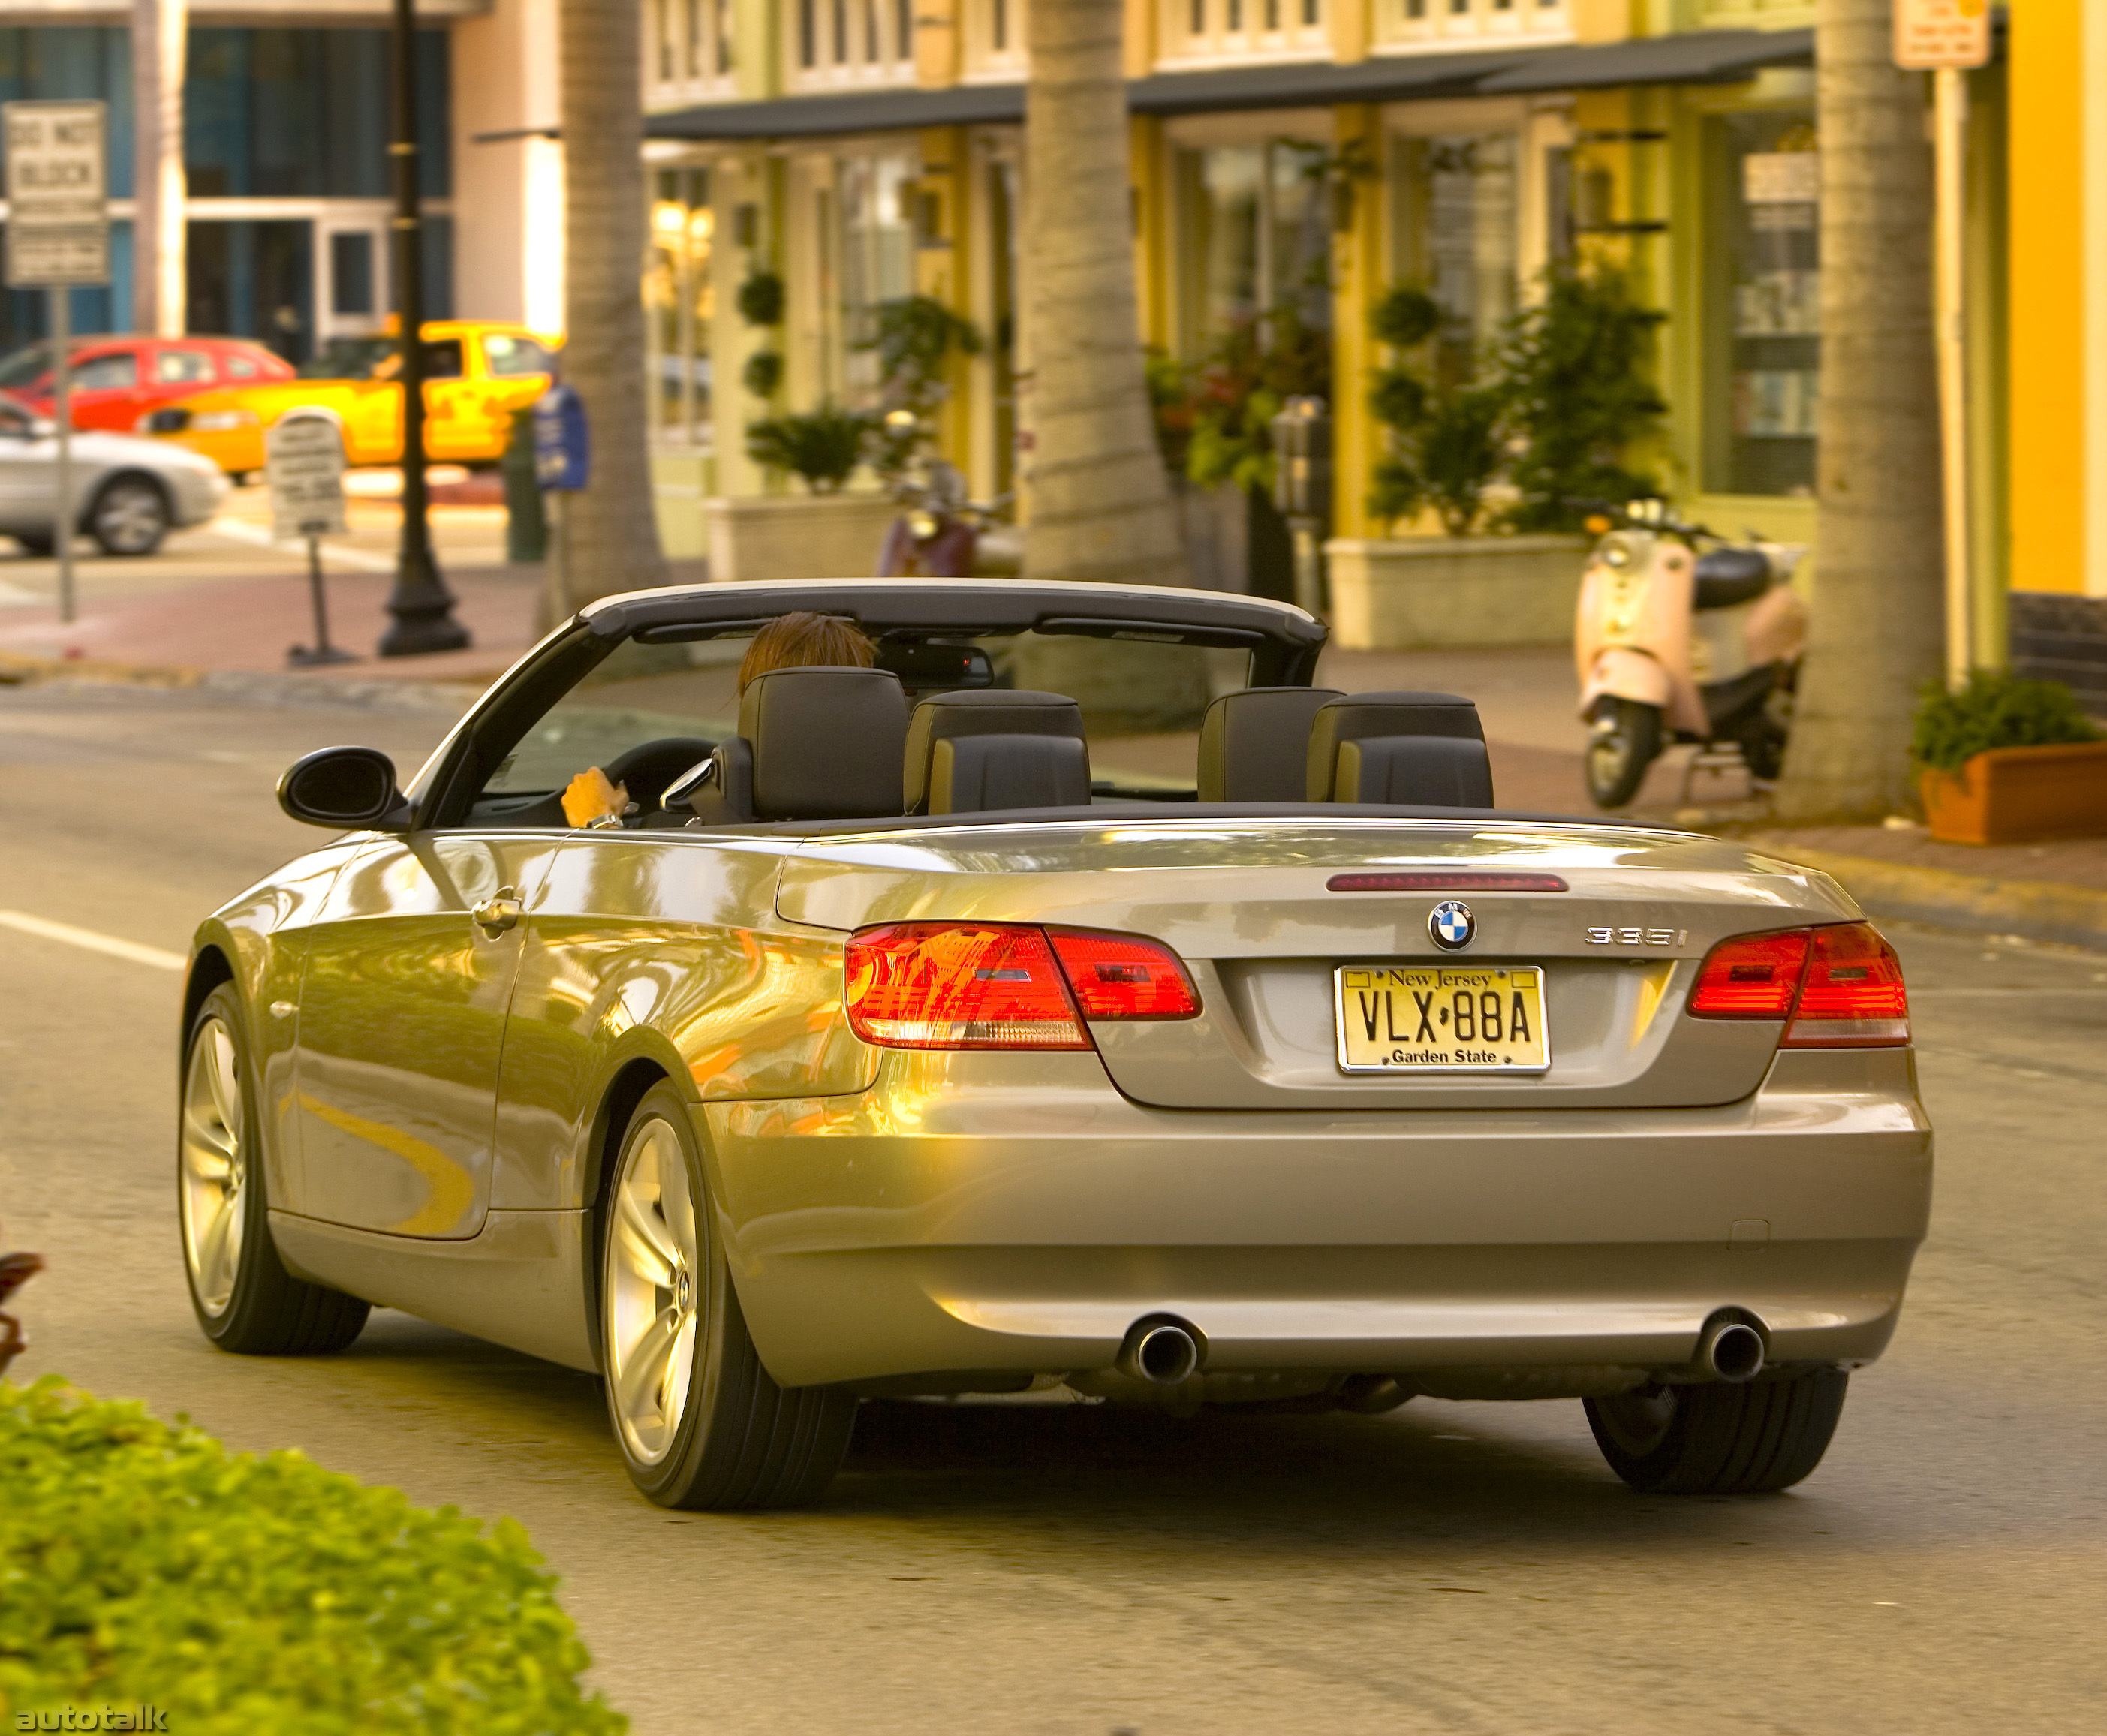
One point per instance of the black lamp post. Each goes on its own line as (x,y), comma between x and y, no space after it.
(420,602)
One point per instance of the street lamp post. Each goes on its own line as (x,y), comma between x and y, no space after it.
(421,604)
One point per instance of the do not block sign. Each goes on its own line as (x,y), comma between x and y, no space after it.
(304,462)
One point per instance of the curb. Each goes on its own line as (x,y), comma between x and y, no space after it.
(242,686)
(2043,910)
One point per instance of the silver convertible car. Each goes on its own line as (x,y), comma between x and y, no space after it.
(975,1024)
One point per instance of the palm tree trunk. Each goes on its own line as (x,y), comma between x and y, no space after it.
(613,539)
(160,37)
(1875,636)
(1101,505)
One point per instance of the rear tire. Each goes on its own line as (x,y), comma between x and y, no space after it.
(130,516)
(698,1420)
(1617,757)
(245,1300)
(1719,1439)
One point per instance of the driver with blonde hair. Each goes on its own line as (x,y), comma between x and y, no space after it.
(801,639)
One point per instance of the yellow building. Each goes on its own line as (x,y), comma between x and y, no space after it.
(1286,152)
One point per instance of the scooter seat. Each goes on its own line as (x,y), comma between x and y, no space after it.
(1726,577)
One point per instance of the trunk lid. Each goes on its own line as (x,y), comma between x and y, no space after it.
(1245,903)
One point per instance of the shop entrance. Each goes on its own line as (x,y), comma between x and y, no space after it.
(255,278)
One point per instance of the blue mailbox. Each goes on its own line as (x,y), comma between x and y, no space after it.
(563,448)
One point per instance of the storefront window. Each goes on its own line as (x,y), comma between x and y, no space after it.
(877,257)
(677,302)
(1457,236)
(1761,303)
(1255,237)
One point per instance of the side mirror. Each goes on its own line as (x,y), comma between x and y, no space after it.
(346,789)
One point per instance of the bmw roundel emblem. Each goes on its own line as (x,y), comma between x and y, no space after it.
(1451,925)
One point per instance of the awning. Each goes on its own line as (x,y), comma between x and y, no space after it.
(1695,57)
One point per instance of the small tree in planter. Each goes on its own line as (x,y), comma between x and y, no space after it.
(1447,436)
(2004,761)
(822,447)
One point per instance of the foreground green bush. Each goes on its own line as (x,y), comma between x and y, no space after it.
(1994,709)
(143,1562)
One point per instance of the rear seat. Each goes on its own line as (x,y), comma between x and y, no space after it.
(1255,745)
(978,749)
(1426,750)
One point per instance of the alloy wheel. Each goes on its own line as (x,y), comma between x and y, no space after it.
(652,1292)
(1638,1421)
(215,1194)
(131,518)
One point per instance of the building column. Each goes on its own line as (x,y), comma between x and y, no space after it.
(1358,268)
(159,289)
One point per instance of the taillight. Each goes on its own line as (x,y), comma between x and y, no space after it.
(1751,976)
(1841,986)
(1853,996)
(1121,977)
(945,985)
(1001,985)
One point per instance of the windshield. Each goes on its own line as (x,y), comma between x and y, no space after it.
(25,366)
(348,358)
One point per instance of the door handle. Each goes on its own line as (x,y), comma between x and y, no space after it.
(498,912)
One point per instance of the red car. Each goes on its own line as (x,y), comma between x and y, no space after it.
(117,381)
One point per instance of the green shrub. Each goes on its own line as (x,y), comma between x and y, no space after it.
(1994,709)
(762,373)
(760,299)
(823,446)
(142,1563)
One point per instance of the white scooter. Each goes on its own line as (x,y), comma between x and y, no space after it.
(1675,646)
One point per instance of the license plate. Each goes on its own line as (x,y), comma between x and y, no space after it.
(1411,1019)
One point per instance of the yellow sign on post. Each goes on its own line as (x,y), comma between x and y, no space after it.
(1941,35)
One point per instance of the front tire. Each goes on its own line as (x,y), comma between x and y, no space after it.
(130,518)
(1627,740)
(244,1298)
(699,1422)
(1753,1439)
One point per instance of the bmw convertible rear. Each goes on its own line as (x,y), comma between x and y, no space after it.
(1206,1110)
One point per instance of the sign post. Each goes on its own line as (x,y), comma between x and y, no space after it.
(1946,38)
(303,463)
(58,240)
(563,465)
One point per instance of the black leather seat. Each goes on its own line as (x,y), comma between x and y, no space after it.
(813,744)
(1255,745)
(1426,750)
(974,750)
(1729,577)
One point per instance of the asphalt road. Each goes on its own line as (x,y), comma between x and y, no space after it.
(1469,1567)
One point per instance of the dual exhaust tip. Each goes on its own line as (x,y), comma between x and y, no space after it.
(1164,1350)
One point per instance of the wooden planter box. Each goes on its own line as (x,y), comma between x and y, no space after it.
(1415,593)
(2020,795)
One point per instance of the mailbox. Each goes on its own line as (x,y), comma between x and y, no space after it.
(1302,460)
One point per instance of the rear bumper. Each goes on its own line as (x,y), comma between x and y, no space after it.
(978,1213)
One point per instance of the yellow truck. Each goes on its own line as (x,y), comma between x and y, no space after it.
(477,372)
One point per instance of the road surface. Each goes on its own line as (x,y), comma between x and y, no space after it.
(1000,1572)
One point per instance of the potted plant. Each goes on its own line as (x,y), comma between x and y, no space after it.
(824,532)
(1495,442)
(2008,761)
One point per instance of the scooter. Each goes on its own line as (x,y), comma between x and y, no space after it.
(941,533)
(1674,645)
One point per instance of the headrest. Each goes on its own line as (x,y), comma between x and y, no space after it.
(971,773)
(827,744)
(1428,771)
(986,711)
(1255,745)
(1359,716)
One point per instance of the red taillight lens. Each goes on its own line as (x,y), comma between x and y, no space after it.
(1751,976)
(945,985)
(1120,976)
(1853,996)
(1840,986)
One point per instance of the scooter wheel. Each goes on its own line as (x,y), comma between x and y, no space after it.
(1627,741)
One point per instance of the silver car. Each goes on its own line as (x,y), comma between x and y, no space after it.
(127,494)
(920,1031)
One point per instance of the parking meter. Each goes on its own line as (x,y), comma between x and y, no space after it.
(1302,436)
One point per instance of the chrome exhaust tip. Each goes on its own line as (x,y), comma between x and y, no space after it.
(1162,1351)
(1732,1350)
